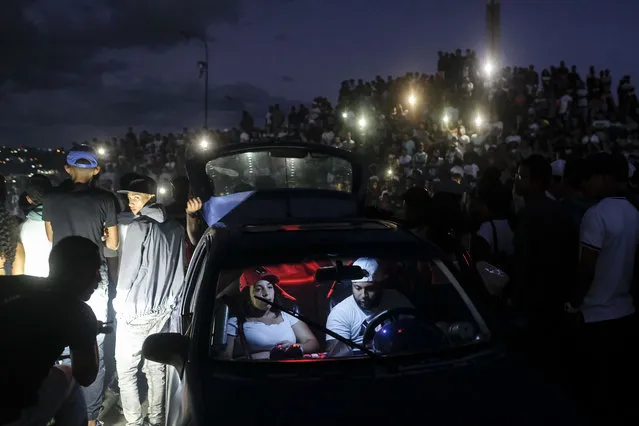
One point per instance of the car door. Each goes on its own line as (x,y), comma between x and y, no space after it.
(194,277)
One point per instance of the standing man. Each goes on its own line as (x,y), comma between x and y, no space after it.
(79,208)
(150,281)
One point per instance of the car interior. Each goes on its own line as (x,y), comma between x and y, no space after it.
(312,289)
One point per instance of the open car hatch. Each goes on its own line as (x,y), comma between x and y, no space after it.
(267,182)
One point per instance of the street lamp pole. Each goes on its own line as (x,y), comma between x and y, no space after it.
(206,83)
(204,72)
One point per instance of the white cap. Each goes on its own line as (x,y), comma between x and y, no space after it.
(558,167)
(369,267)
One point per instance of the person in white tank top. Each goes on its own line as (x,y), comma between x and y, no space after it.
(32,233)
(261,327)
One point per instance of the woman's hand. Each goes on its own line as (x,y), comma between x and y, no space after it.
(285,344)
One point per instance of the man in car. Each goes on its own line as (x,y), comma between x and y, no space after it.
(350,317)
(39,317)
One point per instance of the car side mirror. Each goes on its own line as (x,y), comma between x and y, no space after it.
(167,348)
(493,278)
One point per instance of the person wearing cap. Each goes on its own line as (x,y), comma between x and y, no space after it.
(259,327)
(78,208)
(150,282)
(349,318)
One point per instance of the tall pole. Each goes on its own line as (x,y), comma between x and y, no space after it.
(204,72)
(206,83)
(493,30)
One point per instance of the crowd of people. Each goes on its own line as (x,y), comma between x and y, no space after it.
(517,167)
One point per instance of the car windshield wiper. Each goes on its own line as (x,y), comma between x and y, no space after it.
(347,342)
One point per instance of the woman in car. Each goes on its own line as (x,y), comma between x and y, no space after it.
(259,327)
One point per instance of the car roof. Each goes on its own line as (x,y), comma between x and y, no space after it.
(292,242)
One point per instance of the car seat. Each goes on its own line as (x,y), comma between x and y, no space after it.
(338,292)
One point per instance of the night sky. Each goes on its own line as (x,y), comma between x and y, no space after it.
(71,70)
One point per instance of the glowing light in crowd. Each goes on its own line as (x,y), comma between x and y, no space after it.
(389,172)
(204,143)
(446,119)
(344,115)
(488,68)
(162,190)
(479,120)
(412,100)
(101,151)
(362,122)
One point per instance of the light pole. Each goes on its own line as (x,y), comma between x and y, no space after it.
(204,72)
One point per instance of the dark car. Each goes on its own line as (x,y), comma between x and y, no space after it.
(297,311)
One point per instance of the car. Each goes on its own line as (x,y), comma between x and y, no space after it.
(431,343)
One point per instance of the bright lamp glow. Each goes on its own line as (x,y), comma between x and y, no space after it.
(446,119)
(412,100)
(389,172)
(479,120)
(101,151)
(162,190)
(488,68)
(362,122)
(344,115)
(204,143)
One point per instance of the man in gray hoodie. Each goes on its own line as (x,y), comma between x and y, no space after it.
(150,281)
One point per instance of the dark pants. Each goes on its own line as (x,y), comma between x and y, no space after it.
(607,360)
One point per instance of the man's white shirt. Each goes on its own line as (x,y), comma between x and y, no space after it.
(349,321)
(564,103)
(611,227)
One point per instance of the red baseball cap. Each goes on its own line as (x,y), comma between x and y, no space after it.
(252,275)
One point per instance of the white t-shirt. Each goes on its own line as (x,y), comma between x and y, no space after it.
(590,139)
(409,146)
(612,227)
(36,248)
(564,103)
(262,337)
(349,321)
(504,236)
(327,137)
(124,220)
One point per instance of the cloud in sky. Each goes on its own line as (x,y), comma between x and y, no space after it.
(49,45)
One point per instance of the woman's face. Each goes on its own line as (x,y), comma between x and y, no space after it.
(265,290)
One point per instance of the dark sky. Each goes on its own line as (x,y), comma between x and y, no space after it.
(76,69)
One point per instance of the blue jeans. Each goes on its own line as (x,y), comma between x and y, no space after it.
(128,357)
